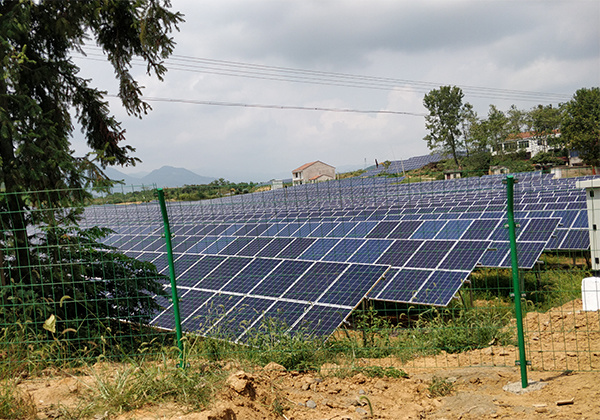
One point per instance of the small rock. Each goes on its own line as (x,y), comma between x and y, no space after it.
(361,411)
(361,392)
(305,387)
(565,402)
(541,410)
(274,367)
(381,385)
(311,404)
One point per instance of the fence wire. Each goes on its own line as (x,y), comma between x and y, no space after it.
(82,282)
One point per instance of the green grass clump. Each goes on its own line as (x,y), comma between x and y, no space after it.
(440,387)
(14,403)
(371,372)
(140,384)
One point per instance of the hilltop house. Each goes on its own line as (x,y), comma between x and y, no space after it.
(313,172)
(531,143)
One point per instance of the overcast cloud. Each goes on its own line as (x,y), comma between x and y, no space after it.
(538,46)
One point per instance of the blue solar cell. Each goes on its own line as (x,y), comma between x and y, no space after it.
(273,229)
(405,229)
(241,317)
(454,229)
(251,275)
(496,253)
(280,317)
(362,229)
(430,254)
(566,218)
(538,230)
(480,229)
(188,303)
(191,268)
(231,229)
(201,245)
(382,230)
(284,275)
(235,247)
(221,275)
(321,321)
(208,311)
(274,247)
(304,230)
(289,228)
(218,245)
(581,221)
(318,249)
(315,281)
(402,286)
(440,288)
(344,249)
(371,251)
(429,229)
(254,247)
(465,255)
(399,252)
(556,239)
(576,239)
(342,229)
(158,245)
(323,229)
(218,229)
(353,285)
(258,229)
(296,247)
(528,254)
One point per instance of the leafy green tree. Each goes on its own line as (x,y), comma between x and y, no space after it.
(446,113)
(496,128)
(41,90)
(581,124)
(544,122)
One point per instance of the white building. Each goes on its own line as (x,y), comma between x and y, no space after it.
(313,172)
(531,143)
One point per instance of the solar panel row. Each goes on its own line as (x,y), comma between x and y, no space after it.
(309,254)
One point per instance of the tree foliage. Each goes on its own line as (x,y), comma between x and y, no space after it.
(446,114)
(41,91)
(581,124)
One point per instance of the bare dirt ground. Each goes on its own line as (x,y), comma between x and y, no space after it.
(563,346)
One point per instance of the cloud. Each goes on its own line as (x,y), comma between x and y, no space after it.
(539,46)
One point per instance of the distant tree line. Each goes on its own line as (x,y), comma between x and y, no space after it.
(456,130)
(215,189)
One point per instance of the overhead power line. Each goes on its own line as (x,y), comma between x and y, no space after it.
(289,107)
(295,75)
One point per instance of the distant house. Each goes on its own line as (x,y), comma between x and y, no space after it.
(529,142)
(313,172)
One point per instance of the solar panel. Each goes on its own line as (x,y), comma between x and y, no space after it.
(311,260)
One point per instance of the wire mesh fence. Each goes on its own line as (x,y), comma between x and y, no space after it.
(413,274)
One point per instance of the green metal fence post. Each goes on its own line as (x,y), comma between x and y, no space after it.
(163,209)
(515,277)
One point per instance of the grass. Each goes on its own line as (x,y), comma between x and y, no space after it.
(440,387)
(14,403)
(151,377)
(151,383)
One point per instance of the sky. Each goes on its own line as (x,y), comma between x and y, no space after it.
(257,88)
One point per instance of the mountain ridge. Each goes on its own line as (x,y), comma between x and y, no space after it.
(164,177)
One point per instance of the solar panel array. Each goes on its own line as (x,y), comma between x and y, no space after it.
(399,166)
(308,255)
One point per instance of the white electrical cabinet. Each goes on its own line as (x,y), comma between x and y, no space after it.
(592,193)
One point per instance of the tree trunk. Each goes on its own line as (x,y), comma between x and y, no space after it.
(15,211)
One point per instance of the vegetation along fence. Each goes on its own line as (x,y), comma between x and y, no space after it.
(418,273)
